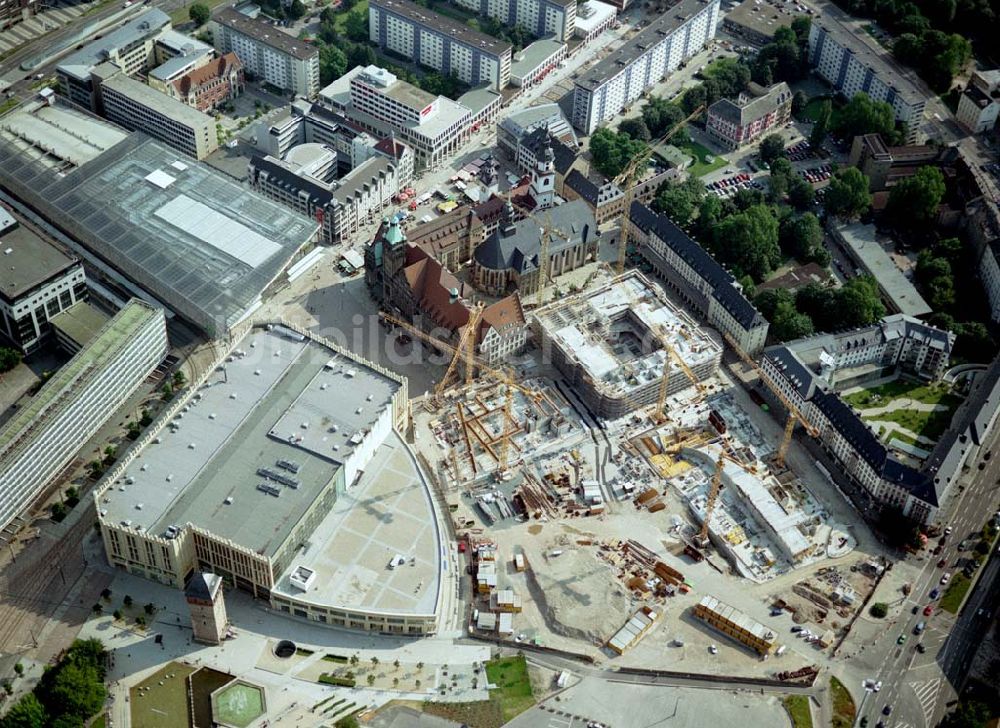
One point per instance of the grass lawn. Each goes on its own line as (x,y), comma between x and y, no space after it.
(9,104)
(954,595)
(884,393)
(928,424)
(701,154)
(843,705)
(452,11)
(180,15)
(342,16)
(162,706)
(513,686)
(798,710)
(811,110)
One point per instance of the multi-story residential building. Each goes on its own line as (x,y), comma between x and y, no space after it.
(979,104)
(853,62)
(619,79)
(37,281)
(604,197)
(438,42)
(138,107)
(130,47)
(539,17)
(377,101)
(810,372)
(270,55)
(211,85)
(757,110)
(693,275)
(43,437)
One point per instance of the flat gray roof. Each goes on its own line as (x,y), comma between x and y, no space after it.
(867,50)
(81,322)
(145,26)
(157,101)
(862,243)
(388,513)
(443,25)
(58,136)
(26,260)
(534,55)
(200,242)
(627,54)
(245,418)
(266,34)
(762,17)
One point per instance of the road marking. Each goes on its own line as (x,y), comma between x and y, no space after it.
(927,694)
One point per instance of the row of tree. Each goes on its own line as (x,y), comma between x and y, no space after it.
(67,694)
(931,35)
(817,308)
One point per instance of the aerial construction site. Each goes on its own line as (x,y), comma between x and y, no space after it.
(649,487)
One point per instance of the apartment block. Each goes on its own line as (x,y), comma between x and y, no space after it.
(694,276)
(43,437)
(137,107)
(538,17)
(757,111)
(651,55)
(270,55)
(853,62)
(438,42)
(37,281)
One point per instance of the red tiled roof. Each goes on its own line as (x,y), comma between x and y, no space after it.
(503,313)
(394,148)
(432,285)
(212,70)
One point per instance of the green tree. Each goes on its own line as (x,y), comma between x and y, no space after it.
(296,10)
(9,358)
(370,679)
(58,511)
(768,301)
(27,712)
(863,116)
(847,195)
(679,201)
(800,193)
(133,430)
(780,179)
(799,103)
(18,669)
(78,690)
(936,280)
(879,610)
(748,241)
(167,391)
(858,303)
(968,714)
(118,615)
(146,418)
(822,126)
(974,342)
(635,128)
(801,236)
(914,201)
(771,147)
(97,609)
(127,601)
(360,55)
(356,26)
(660,116)
(149,609)
(788,323)
(332,64)
(199,14)
(612,152)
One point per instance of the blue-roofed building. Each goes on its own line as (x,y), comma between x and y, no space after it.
(693,275)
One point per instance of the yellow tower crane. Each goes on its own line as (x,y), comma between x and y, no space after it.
(713,492)
(465,350)
(627,183)
(794,413)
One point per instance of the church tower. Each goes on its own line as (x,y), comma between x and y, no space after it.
(543,177)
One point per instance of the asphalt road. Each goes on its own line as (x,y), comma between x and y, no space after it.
(915,685)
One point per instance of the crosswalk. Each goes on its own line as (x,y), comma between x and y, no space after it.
(927,694)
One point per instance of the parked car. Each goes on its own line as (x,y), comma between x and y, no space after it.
(935,593)
(901,639)
(942,563)
(946,578)
(928,610)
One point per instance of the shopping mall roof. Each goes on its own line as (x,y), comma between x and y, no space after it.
(279,397)
(57,136)
(201,243)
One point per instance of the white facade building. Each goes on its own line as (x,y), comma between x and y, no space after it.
(853,63)
(979,104)
(538,17)
(436,41)
(651,55)
(267,53)
(44,436)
